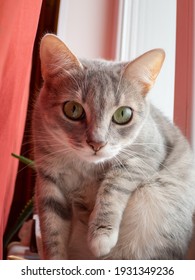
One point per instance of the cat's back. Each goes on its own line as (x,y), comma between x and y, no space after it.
(169,131)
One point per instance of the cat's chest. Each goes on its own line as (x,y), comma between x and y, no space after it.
(75,178)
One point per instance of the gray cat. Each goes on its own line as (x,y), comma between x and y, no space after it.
(114,176)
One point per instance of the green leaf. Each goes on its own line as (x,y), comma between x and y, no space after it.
(25,214)
(25,160)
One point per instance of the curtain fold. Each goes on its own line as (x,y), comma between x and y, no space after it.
(18,26)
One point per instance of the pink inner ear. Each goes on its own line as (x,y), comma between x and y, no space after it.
(146,88)
(146,68)
(54,52)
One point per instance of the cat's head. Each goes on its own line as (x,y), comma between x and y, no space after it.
(94,108)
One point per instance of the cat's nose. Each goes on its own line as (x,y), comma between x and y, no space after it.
(96,146)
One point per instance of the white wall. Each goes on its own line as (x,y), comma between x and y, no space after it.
(149,24)
(88,27)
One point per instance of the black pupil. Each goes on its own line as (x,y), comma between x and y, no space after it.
(74,109)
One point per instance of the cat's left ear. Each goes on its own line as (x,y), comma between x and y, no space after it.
(55,56)
(145,68)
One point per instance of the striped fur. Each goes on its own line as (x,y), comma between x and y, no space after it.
(132,199)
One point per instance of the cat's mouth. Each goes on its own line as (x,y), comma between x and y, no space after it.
(98,156)
(95,158)
(90,155)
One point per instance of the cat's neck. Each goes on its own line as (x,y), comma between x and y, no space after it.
(150,136)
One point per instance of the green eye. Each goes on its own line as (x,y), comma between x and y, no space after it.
(123,115)
(73,111)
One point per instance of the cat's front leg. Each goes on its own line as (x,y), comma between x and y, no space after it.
(106,217)
(54,215)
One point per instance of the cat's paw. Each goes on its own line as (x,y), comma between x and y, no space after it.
(101,240)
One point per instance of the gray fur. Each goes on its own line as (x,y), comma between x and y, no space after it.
(133,199)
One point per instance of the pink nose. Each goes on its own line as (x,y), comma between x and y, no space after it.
(96,146)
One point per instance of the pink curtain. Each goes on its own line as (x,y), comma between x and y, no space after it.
(18,25)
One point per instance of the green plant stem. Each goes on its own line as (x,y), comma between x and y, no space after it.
(25,214)
(25,160)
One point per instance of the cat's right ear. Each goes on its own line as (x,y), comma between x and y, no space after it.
(55,56)
(145,68)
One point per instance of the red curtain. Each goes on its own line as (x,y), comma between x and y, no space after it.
(18,26)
